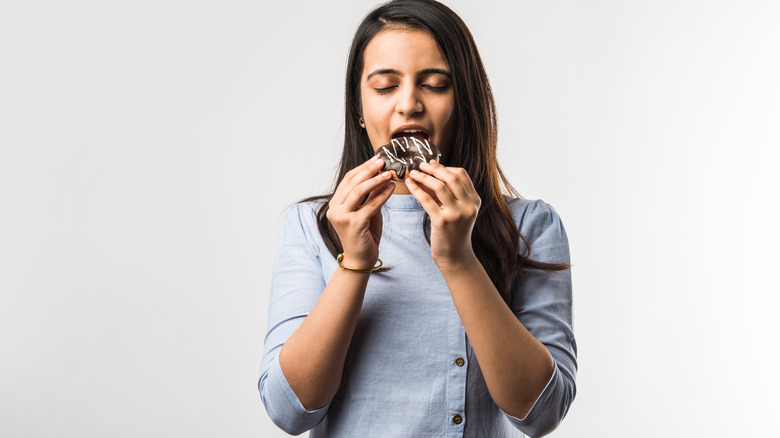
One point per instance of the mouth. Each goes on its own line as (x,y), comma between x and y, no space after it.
(412,131)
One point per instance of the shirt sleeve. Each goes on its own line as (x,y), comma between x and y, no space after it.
(542,301)
(296,285)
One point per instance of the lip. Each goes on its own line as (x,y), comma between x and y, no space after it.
(411,126)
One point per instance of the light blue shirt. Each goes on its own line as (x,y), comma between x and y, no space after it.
(410,369)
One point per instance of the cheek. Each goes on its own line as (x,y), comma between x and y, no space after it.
(375,105)
(446,119)
(450,116)
(374,128)
(446,115)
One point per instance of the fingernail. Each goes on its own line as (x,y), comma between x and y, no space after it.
(386,174)
(414,173)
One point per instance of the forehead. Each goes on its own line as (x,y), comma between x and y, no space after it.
(406,50)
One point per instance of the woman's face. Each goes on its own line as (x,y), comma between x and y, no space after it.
(406,89)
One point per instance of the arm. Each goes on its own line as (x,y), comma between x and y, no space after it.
(542,301)
(312,359)
(295,288)
(516,366)
(311,327)
(541,306)
(519,369)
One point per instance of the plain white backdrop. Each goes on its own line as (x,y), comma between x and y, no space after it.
(150,149)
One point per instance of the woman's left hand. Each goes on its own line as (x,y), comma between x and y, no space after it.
(449,197)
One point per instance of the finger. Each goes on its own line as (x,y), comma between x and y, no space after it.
(426,189)
(377,199)
(441,189)
(374,193)
(356,176)
(359,193)
(361,172)
(465,179)
(429,204)
(366,164)
(449,177)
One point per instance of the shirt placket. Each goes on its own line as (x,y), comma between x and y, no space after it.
(456,384)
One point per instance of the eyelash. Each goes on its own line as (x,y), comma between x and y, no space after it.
(436,89)
(430,87)
(384,90)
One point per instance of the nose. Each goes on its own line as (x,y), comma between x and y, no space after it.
(409,101)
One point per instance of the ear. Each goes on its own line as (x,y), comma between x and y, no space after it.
(359,108)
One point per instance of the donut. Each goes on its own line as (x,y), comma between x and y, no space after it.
(404,154)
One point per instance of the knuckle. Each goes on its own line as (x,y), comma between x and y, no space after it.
(354,171)
(333,217)
(354,221)
(365,175)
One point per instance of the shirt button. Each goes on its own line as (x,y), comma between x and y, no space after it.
(457,419)
(459,361)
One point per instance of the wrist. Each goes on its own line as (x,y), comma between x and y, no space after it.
(357,264)
(458,262)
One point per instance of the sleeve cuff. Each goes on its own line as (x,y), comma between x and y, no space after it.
(284,407)
(544,416)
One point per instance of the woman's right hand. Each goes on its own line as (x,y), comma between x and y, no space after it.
(357,223)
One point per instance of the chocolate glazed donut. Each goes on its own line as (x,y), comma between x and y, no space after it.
(404,154)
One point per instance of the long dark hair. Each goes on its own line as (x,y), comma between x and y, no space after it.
(495,237)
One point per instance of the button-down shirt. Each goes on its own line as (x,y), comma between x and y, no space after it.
(410,370)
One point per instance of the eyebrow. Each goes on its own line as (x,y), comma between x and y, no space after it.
(424,72)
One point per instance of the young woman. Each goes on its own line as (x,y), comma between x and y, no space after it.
(466,330)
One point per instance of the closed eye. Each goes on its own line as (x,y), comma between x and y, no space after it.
(436,89)
(385,90)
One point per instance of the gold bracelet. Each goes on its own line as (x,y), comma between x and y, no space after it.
(341,257)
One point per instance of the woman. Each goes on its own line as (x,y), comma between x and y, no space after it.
(464,334)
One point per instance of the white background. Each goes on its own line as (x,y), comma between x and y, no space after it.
(140,204)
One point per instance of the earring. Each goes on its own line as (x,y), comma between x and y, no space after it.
(362,123)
